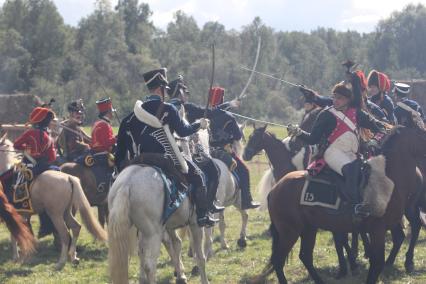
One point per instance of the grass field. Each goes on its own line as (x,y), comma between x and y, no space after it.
(228,266)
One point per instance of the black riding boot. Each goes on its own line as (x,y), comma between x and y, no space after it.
(351,172)
(244,176)
(46,225)
(201,208)
(213,181)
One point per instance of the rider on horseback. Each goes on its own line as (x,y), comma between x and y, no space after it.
(178,93)
(36,142)
(147,130)
(224,131)
(337,131)
(73,141)
(103,139)
(378,85)
(408,112)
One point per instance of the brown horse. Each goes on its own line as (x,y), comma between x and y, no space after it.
(16,225)
(88,182)
(57,194)
(290,220)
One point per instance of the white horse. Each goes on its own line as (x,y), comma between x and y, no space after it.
(227,194)
(137,199)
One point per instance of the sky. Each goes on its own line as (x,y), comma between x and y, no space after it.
(284,15)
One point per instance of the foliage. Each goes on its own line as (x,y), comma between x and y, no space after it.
(110,49)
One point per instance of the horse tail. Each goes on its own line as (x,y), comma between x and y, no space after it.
(264,187)
(118,230)
(80,201)
(16,225)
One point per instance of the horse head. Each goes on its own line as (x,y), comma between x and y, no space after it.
(255,143)
(405,141)
(8,155)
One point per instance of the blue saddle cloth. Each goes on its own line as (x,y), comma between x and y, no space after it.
(174,194)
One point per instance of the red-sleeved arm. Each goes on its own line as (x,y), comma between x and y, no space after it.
(102,137)
(22,141)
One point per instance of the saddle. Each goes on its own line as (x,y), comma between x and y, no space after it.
(327,188)
(17,183)
(102,166)
(176,187)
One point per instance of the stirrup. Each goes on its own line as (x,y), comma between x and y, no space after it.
(216,208)
(361,210)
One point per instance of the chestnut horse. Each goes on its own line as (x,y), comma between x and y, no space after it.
(290,220)
(16,225)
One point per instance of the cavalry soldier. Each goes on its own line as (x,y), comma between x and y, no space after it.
(140,136)
(178,93)
(73,142)
(36,142)
(408,112)
(39,152)
(336,130)
(103,139)
(378,86)
(224,131)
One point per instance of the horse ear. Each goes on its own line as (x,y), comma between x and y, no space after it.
(264,127)
(253,124)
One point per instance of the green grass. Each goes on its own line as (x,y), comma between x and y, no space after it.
(228,266)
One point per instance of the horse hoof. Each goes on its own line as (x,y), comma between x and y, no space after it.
(225,246)
(190,254)
(181,281)
(59,266)
(409,268)
(175,274)
(242,243)
(195,271)
(75,261)
(341,274)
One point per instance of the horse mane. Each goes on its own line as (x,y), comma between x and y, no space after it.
(389,139)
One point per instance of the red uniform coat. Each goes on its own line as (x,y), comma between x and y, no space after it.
(38,143)
(102,136)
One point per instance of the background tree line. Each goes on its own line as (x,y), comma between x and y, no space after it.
(107,53)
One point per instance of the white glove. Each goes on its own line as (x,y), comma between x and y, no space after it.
(294,130)
(204,123)
(235,103)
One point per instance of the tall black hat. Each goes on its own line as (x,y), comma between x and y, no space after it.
(155,78)
(176,85)
(76,106)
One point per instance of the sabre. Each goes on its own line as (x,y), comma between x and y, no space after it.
(211,81)
(242,95)
(272,77)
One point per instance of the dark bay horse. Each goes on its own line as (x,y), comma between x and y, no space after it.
(290,220)
(16,225)
(280,158)
(88,182)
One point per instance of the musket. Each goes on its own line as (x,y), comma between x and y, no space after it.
(211,81)
(242,95)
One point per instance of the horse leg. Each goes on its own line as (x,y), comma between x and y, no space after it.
(339,239)
(149,250)
(64,235)
(242,241)
(351,257)
(75,227)
(307,245)
(415,225)
(197,239)
(103,214)
(354,244)
(222,227)
(176,250)
(366,244)
(283,241)
(208,242)
(15,252)
(377,255)
(398,237)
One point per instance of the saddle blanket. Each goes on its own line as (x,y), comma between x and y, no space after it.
(102,169)
(174,193)
(320,192)
(18,195)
